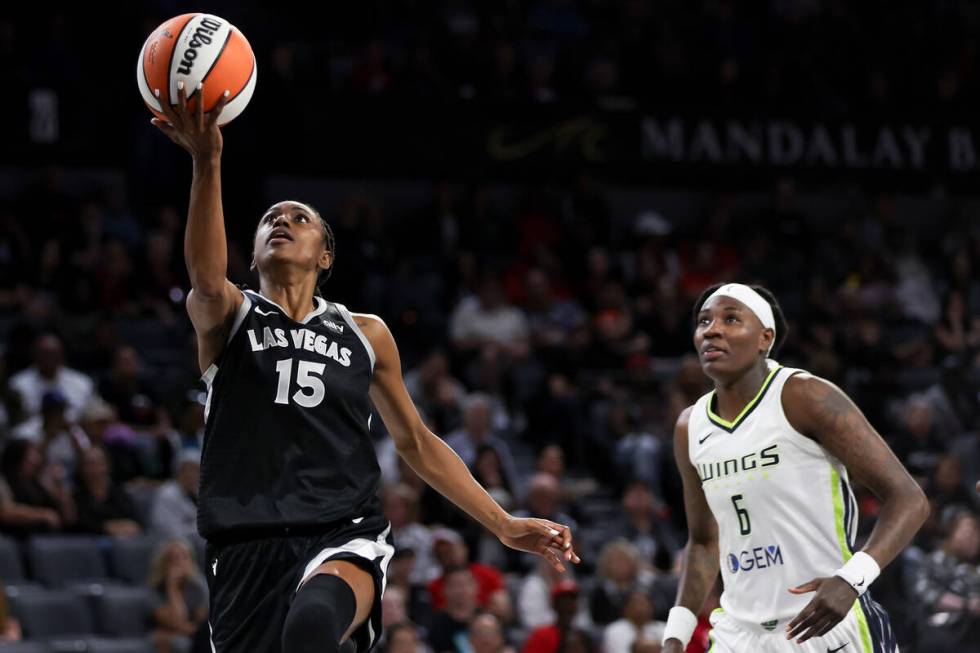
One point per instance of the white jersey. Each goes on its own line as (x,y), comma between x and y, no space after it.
(784,508)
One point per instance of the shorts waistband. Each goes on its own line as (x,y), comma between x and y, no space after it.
(238,535)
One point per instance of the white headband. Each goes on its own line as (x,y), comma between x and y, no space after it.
(753,300)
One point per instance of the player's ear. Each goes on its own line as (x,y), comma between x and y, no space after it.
(765,339)
(326,260)
(252,265)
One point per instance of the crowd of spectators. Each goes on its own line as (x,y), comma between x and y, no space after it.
(549,345)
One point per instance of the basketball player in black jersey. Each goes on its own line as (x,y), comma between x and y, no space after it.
(297,545)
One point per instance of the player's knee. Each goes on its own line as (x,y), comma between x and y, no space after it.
(320,614)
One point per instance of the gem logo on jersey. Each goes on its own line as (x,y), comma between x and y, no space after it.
(760,557)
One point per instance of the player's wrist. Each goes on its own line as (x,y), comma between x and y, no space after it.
(681,623)
(859,572)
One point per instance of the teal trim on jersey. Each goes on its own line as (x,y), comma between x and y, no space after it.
(839,526)
(717,420)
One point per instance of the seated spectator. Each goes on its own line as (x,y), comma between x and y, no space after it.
(476,431)
(400,505)
(534,598)
(487,319)
(564,601)
(58,439)
(947,588)
(181,597)
(501,607)
(489,472)
(577,640)
(418,602)
(403,638)
(35,484)
(451,623)
(636,624)
(174,510)
(22,519)
(619,573)
(103,429)
(485,635)
(646,527)
(50,373)
(543,500)
(128,390)
(452,552)
(9,626)
(104,507)
(435,391)
(551,460)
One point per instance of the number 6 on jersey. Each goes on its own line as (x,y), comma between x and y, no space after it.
(744,525)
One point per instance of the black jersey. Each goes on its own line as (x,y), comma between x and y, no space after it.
(286,439)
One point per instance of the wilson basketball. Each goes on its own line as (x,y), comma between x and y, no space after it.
(197,48)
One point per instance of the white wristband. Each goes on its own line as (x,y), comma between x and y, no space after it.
(681,623)
(859,572)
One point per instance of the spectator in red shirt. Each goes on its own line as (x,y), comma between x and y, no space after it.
(451,551)
(564,601)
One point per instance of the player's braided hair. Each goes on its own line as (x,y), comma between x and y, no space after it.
(782,328)
(331,243)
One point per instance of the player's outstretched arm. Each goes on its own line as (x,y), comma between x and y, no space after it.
(820,410)
(439,466)
(699,569)
(213,300)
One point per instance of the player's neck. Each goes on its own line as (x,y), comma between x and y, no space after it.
(732,396)
(295,298)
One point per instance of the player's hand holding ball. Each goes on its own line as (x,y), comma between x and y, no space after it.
(195,131)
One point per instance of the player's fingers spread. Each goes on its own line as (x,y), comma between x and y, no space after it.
(805,587)
(216,111)
(199,112)
(800,621)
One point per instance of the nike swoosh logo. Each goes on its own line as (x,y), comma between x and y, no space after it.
(859,584)
(357,520)
(701,441)
(261,312)
(834,650)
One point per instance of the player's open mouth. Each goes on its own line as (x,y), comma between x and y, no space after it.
(711,353)
(279,235)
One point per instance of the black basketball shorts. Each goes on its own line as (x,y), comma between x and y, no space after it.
(253,579)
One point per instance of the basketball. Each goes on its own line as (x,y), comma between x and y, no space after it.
(197,49)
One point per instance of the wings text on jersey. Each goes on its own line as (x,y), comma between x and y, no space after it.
(271,338)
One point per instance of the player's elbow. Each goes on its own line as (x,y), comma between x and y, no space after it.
(919,505)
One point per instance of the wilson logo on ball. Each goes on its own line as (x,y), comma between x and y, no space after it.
(202,36)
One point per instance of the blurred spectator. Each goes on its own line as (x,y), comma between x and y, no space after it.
(19,518)
(174,511)
(489,472)
(564,602)
(9,626)
(50,373)
(403,638)
(400,505)
(181,604)
(501,607)
(451,622)
(452,552)
(99,423)
(947,588)
(485,635)
(535,601)
(128,389)
(417,599)
(35,484)
(645,526)
(476,431)
(619,573)
(487,319)
(58,439)
(435,391)
(104,507)
(636,624)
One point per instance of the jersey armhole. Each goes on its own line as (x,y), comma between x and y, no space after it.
(208,376)
(802,439)
(349,319)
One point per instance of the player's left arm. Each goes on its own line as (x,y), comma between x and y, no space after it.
(439,466)
(820,410)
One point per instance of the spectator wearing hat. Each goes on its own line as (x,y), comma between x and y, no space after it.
(451,552)
(564,602)
(49,372)
(58,439)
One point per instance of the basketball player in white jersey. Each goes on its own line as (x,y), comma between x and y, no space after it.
(766,460)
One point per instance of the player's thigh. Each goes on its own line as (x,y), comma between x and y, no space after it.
(361,583)
(727,637)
